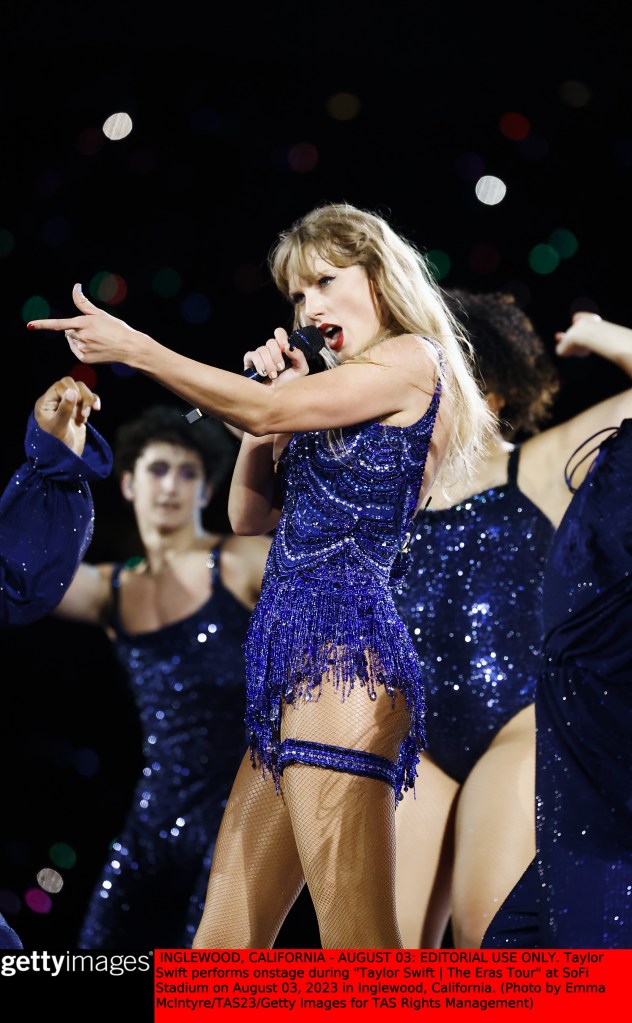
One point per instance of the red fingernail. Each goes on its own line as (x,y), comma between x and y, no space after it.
(30,326)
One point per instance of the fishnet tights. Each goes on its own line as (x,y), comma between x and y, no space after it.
(335,830)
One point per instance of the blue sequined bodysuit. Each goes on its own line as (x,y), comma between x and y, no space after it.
(326,607)
(577,892)
(472,602)
(188,683)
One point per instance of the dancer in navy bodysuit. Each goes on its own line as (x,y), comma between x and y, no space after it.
(177,617)
(577,892)
(473,605)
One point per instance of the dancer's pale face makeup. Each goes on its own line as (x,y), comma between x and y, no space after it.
(167,486)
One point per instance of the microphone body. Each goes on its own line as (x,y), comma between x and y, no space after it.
(308,339)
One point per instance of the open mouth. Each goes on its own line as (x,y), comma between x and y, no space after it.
(333,334)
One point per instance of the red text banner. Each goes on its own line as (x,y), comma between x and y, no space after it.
(191,986)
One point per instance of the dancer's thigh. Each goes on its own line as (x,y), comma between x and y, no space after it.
(424,824)
(495,828)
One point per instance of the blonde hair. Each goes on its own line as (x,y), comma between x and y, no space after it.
(409,301)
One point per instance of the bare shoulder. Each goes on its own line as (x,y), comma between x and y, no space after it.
(105,571)
(406,351)
(248,554)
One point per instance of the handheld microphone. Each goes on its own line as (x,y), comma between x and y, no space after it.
(308,339)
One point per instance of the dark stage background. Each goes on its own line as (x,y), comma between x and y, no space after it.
(403,112)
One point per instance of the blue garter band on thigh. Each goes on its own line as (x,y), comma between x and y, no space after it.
(337,758)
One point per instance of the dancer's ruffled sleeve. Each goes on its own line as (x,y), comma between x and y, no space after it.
(46,522)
